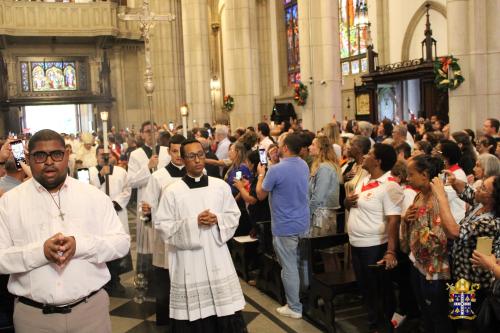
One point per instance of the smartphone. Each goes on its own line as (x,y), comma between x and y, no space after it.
(238,175)
(376,265)
(83,175)
(18,152)
(444,177)
(113,146)
(171,126)
(209,132)
(263,156)
(484,245)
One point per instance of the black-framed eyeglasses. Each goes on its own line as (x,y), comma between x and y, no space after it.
(41,156)
(193,156)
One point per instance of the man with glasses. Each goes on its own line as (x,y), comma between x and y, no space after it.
(196,217)
(157,183)
(54,247)
(142,163)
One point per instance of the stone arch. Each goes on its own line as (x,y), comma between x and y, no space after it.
(412,25)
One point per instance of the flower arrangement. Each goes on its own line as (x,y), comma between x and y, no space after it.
(228,102)
(448,74)
(301,93)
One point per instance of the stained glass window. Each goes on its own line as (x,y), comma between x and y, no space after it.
(42,75)
(53,76)
(292,34)
(353,19)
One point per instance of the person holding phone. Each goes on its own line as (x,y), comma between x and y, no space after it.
(239,171)
(482,220)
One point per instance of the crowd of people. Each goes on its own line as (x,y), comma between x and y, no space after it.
(413,198)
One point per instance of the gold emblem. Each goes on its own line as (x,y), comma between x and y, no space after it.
(462,296)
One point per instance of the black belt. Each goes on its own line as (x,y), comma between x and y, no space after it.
(48,309)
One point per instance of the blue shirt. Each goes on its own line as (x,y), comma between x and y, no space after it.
(287,183)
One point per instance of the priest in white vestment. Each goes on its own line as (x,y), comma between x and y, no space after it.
(196,216)
(142,163)
(158,182)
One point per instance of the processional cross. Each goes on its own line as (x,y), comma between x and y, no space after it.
(147,19)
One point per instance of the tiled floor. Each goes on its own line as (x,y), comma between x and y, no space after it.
(259,313)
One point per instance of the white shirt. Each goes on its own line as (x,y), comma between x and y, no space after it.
(368,221)
(265,143)
(29,216)
(119,190)
(457,206)
(204,281)
(223,149)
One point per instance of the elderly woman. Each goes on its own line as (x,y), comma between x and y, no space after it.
(482,220)
(487,165)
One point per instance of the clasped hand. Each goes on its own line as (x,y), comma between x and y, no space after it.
(59,249)
(206,218)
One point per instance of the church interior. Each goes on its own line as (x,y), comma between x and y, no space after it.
(179,62)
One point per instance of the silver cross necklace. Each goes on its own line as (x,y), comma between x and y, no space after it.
(61,214)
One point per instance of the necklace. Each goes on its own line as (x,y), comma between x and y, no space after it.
(61,214)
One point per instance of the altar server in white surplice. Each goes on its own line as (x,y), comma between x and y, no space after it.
(142,163)
(119,190)
(158,182)
(119,193)
(196,216)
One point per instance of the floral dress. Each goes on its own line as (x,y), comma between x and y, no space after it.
(428,242)
(474,225)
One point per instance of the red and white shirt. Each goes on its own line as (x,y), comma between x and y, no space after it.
(378,198)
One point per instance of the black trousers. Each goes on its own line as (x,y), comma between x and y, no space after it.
(432,298)
(161,287)
(375,285)
(228,324)
(6,303)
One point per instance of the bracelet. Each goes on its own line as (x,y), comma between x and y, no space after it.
(390,252)
(261,175)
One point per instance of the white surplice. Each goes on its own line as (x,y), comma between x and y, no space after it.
(119,190)
(203,279)
(29,216)
(138,177)
(158,182)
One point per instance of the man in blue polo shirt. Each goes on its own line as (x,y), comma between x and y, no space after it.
(287,182)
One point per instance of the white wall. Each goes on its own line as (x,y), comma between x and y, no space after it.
(400,14)
(439,32)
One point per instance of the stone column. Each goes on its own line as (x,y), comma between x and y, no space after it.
(320,62)
(473,38)
(459,46)
(168,63)
(195,29)
(118,111)
(241,61)
(492,60)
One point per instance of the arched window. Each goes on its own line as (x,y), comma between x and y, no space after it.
(353,19)
(292,41)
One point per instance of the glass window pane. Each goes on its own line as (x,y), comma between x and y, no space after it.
(355,67)
(345,68)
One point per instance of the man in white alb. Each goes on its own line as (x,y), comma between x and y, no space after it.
(196,216)
(142,163)
(55,245)
(158,182)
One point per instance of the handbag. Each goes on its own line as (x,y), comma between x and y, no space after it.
(488,318)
